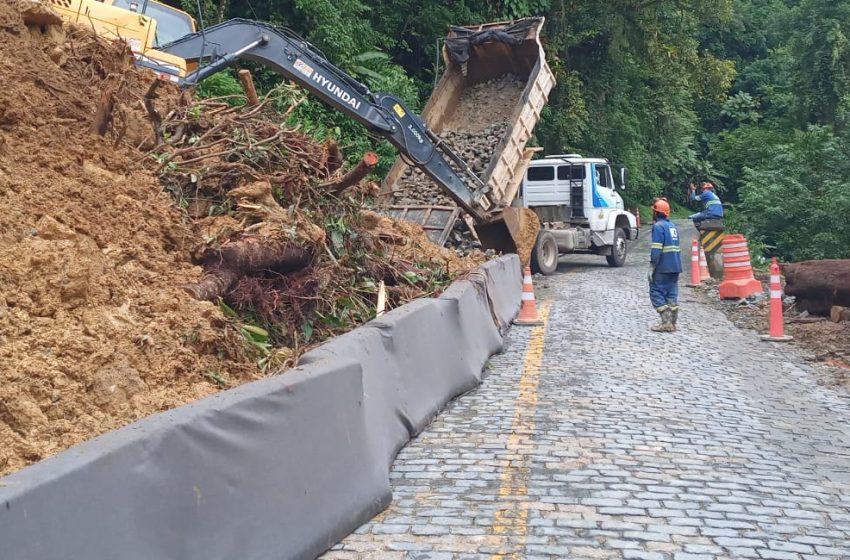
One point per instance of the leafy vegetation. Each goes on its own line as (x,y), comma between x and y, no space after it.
(751,94)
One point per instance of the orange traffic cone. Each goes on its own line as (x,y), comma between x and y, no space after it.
(738,281)
(704,274)
(777,323)
(528,312)
(695,275)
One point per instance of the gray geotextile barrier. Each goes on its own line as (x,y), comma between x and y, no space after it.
(278,468)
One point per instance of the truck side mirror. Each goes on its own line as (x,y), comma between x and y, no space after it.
(624,173)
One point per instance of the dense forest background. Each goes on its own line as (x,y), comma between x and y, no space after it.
(751,94)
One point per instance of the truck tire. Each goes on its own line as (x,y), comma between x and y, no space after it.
(544,256)
(619,250)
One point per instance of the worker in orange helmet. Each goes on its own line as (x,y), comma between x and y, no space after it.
(713,207)
(654,200)
(665,267)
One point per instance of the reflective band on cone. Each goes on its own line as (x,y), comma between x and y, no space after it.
(704,274)
(738,281)
(695,276)
(528,311)
(777,323)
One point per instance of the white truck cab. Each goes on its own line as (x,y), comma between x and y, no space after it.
(579,209)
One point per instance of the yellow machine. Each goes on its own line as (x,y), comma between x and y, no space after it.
(143,24)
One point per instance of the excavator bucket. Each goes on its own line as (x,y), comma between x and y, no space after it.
(514,230)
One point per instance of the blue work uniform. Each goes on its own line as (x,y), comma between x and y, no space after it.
(666,260)
(713,207)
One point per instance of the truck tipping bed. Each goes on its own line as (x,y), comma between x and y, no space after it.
(475,55)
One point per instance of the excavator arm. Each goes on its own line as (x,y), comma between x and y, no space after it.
(282,50)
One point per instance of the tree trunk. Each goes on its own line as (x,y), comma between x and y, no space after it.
(255,254)
(839,314)
(818,285)
(246,256)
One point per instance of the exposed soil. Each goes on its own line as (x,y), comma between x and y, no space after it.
(821,340)
(96,328)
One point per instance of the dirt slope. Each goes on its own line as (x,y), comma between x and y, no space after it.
(94,332)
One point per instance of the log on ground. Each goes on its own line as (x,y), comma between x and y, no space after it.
(818,285)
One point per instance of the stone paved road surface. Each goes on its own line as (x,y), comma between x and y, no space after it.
(592,437)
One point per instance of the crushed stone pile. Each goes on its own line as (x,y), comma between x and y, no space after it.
(474,131)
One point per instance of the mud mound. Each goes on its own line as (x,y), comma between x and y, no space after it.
(143,268)
(94,331)
(291,245)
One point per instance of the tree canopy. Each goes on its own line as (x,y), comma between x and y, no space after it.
(753,95)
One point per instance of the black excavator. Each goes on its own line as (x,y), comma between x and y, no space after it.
(219,46)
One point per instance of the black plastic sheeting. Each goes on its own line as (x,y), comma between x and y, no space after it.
(461,39)
(279,468)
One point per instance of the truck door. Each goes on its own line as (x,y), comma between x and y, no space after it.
(602,186)
(571,177)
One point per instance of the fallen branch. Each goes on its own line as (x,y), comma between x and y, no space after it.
(366,165)
(212,285)
(248,86)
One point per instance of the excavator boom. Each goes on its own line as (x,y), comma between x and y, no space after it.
(285,52)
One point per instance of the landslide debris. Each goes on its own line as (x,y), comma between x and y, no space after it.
(98,326)
(94,330)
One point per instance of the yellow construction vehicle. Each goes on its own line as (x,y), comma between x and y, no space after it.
(143,24)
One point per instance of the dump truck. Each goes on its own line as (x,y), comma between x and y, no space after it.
(149,27)
(477,58)
(573,197)
(579,208)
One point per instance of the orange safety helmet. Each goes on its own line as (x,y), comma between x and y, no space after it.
(661,206)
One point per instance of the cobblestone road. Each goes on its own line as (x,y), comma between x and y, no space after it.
(592,437)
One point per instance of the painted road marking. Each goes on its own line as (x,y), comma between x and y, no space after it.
(511,517)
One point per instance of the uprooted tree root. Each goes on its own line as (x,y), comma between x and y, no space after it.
(286,241)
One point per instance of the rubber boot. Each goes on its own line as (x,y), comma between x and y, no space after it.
(666,324)
(674,317)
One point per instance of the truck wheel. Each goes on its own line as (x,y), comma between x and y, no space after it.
(544,256)
(617,258)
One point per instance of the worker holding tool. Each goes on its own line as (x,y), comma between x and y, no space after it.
(665,267)
(713,207)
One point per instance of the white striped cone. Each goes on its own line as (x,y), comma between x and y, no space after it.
(528,311)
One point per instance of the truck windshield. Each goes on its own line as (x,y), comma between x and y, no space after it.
(171,24)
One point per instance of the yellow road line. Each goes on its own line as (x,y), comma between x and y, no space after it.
(511,517)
